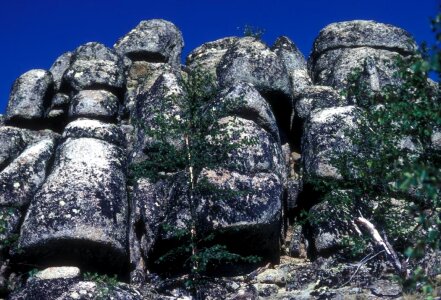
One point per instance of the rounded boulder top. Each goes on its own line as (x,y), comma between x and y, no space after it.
(152,40)
(362,33)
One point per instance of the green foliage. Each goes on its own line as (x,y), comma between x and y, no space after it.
(396,186)
(185,128)
(105,284)
(10,240)
(253,31)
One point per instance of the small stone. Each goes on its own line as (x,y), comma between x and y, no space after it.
(58,272)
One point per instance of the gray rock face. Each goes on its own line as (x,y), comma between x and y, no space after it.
(367,45)
(21,179)
(153,40)
(140,78)
(94,104)
(94,66)
(294,62)
(80,213)
(30,96)
(249,60)
(85,128)
(12,143)
(317,97)
(157,101)
(262,155)
(249,104)
(59,67)
(362,33)
(327,137)
(209,55)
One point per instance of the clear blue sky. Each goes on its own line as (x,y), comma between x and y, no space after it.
(35,32)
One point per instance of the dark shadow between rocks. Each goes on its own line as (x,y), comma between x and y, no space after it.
(152,57)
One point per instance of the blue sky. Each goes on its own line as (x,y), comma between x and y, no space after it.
(35,32)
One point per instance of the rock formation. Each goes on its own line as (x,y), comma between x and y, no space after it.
(68,206)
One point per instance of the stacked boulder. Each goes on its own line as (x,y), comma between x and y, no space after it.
(68,203)
(331,121)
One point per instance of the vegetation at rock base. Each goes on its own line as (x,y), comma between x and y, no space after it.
(105,284)
(393,178)
(186,140)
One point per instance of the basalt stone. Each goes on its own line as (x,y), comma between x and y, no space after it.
(79,215)
(208,56)
(317,97)
(294,62)
(85,128)
(30,96)
(11,144)
(366,45)
(94,104)
(23,177)
(153,40)
(247,103)
(250,60)
(94,66)
(59,67)
(327,136)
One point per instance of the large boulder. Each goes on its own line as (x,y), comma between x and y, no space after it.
(94,66)
(94,104)
(367,45)
(208,56)
(250,60)
(30,96)
(80,213)
(23,177)
(328,137)
(153,40)
(58,68)
(294,62)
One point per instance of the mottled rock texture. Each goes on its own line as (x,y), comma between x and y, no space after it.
(30,96)
(70,203)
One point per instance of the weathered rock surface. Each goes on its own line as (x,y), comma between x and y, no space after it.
(327,136)
(250,60)
(12,143)
(94,104)
(80,213)
(208,56)
(317,97)
(22,178)
(60,100)
(58,68)
(85,128)
(94,66)
(140,78)
(294,62)
(248,104)
(153,41)
(30,96)
(367,45)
